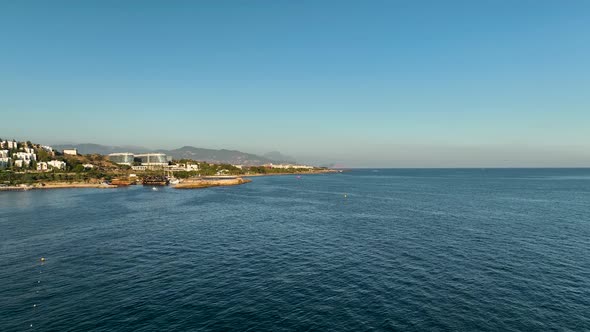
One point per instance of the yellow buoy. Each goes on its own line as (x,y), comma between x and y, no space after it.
(43,259)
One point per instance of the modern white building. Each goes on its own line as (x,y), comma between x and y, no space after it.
(42,166)
(57,164)
(4,153)
(8,144)
(153,159)
(47,148)
(184,167)
(27,156)
(22,163)
(286,166)
(71,152)
(122,158)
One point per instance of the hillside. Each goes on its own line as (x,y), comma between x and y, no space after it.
(222,156)
(90,148)
(217,156)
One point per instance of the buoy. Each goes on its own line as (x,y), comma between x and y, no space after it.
(34,305)
(345,196)
(43,259)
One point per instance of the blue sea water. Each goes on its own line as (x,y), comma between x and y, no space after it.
(413,250)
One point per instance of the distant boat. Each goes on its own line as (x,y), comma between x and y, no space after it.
(154,189)
(174,181)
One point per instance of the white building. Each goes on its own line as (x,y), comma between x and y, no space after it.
(57,164)
(88,166)
(192,167)
(22,163)
(153,159)
(4,153)
(8,144)
(27,156)
(71,152)
(42,166)
(122,158)
(47,148)
(286,166)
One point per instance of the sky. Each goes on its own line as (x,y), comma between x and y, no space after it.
(355,83)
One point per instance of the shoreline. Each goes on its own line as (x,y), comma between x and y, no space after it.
(187,184)
(198,184)
(58,186)
(329,171)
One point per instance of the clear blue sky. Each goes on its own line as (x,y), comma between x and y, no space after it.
(360,83)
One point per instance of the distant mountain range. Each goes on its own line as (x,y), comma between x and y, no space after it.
(187,152)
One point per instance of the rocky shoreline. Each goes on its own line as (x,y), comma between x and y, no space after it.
(197,184)
(194,183)
(56,186)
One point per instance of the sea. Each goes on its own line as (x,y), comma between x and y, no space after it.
(362,250)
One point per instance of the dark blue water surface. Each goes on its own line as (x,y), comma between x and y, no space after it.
(485,250)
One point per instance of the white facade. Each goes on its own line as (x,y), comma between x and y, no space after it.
(22,163)
(8,144)
(47,148)
(42,166)
(122,158)
(72,152)
(26,156)
(88,166)
(152,159)
(192,167)
(3,153)
(285,166)
(57,164)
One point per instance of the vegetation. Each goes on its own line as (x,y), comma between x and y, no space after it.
(104,170)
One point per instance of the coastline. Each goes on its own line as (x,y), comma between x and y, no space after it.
(186,184)
(198,184)
(57,185)
(328,171)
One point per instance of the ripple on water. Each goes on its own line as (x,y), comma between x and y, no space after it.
(405,250)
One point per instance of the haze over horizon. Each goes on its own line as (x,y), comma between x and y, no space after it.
(361,84)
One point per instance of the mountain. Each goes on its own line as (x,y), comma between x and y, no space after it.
(217,156)
(279,157)
(186,152)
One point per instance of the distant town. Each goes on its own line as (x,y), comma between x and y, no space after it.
(25,164)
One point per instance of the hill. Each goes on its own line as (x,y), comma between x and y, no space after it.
(222,156)
(90,148)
